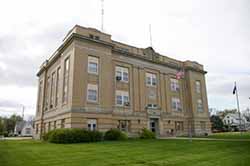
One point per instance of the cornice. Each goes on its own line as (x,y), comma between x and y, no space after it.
(75,36)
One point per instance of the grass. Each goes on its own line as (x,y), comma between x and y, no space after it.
(231,135)
(132,152)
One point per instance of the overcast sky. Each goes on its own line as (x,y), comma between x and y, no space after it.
(215,33)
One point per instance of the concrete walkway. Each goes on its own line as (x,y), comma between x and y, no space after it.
(204,139)
(15,138)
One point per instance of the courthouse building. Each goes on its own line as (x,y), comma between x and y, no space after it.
(96,83)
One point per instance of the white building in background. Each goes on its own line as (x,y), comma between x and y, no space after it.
(24,129)
(233,120)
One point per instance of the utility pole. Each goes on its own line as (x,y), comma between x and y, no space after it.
(238,105)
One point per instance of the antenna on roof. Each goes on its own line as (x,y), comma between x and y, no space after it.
(150,36)
(102,12)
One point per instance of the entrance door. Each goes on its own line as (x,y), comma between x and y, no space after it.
(154,125)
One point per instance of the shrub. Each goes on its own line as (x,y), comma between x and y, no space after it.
(147,134)
(115,134)
(72,136)
(60,136)
(95,136)
(80,135)
(5,134)
(68,136)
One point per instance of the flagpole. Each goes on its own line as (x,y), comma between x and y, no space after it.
(238,105)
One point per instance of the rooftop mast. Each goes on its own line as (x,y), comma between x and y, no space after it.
(102,12)
(150,36)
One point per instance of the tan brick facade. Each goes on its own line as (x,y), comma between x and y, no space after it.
(93,82)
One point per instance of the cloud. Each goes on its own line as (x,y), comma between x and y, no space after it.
(9,103)
(220,87)
(22,53)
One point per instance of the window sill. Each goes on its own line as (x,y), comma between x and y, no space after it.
(176,110)
(92,102)
(121,81)
(92,73)
(152,86)
(122,106)
(175,91)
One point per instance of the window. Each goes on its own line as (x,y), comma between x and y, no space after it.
(47,94)
(37,128)
(122,98)
(179,126)
(67,65)
(198,86)
(52,89)
(92,92)
(39,96)
(91,36)
(152,106)
(58,72)
(97,38)
(62,123)
(92,124)
(54,124)
(49,126)
(44,127)
(124,125)
(174,84)
(150,79)
(176,104)
(65,80)
(121,74)
(203,125)
(28,131)
(92,65)
(199,105)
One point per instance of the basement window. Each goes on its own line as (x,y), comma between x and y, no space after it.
(97,38)
(91,36)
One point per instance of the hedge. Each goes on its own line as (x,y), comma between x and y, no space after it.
(65,136)
(95,136)
(72,136)
(115,134)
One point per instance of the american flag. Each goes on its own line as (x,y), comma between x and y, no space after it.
(180,75)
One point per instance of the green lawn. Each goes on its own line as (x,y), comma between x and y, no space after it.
(231,135)
(131,152)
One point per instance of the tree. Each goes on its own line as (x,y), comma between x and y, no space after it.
(246,114)
(10,123)
(217,123)
(1,125)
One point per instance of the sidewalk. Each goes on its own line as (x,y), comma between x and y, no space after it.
(15,138)
(204,139)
